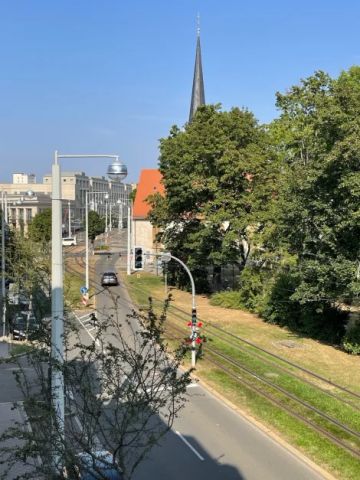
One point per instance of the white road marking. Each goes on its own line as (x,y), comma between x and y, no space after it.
(192,385)
(190,446)
(86,330)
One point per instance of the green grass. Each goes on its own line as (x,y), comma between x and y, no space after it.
(313,444)
(20,348)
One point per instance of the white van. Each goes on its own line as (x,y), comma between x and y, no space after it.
(69,241)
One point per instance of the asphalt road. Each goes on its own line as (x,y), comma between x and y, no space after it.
(208,440)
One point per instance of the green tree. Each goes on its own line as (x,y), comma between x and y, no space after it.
(40,227)
(96,225)
(212,172)
(316,212)
(320,204)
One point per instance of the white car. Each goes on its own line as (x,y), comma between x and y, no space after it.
(69,241)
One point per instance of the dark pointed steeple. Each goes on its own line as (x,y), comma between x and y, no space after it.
(198,92)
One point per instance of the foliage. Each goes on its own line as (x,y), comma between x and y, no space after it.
(28,267)
(351,340)
(230,299)
(123,389)
(320,201)
(40,227)
(214,172)
(96,225)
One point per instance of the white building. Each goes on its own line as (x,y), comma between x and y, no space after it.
(23,178)
(74,187)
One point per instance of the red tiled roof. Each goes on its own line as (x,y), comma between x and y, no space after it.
(149,183)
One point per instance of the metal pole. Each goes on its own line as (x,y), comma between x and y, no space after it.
(106,216)
(120,206)
(193,344)
(3,290)
(110,224)
(128,241)
(87,240)
(69,219)
(57,305)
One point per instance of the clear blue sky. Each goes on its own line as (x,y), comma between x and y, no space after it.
(92,76)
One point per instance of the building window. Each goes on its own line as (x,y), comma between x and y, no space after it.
(28,215)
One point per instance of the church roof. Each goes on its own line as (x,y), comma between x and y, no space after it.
(149,183)
(198,91)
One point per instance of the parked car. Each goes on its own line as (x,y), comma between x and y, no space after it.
(69,241)
(99,466)
(23,325)
(109,279)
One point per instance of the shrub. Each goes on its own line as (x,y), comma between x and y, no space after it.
(351,340)
(229,299)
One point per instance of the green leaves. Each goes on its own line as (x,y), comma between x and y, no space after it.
(209,172)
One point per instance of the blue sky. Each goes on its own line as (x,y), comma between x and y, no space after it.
(112,76)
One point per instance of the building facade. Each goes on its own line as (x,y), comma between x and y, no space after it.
(74,186)
(144,234)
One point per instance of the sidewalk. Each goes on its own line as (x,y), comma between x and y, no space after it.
(8,417)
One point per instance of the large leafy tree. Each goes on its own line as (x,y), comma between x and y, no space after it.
(320,203)
(215,175)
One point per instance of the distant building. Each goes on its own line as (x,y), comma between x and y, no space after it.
(22,208)
(144,234)
(23,178)
(74,186)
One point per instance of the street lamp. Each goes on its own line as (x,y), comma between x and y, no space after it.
(120,219)
(57,298)
(69,220)
(166,257)
(106,197)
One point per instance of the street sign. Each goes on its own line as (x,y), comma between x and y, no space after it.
(165,257)
(83,290)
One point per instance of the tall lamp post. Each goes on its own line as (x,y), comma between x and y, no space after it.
(57,298)
(166,257)
(106,197)
(69,219)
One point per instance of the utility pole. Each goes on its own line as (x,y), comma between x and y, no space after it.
(69,214)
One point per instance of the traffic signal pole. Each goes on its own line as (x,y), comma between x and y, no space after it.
(166,257)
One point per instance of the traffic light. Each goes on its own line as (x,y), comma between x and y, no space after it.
(138,258)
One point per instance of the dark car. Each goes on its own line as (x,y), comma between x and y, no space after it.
(99,466)
(23,325)
(109,279)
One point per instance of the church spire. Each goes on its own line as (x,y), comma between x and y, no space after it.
(198,93)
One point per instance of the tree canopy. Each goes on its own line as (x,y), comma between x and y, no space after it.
(211,171)
(280,201)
